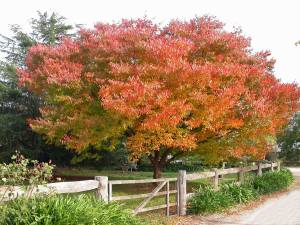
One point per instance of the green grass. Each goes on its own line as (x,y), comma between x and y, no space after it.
(112,174)
(49,210)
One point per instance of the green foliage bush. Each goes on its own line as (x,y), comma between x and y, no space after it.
(189,167)
(239,194)
(207,200)
(22,171)
(273,181)
(64,210)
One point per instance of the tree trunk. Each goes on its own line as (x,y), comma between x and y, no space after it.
(159,159)
(156,171)
(156,162)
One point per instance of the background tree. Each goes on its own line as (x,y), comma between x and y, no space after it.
(185,87)
(289,140)
(17,104)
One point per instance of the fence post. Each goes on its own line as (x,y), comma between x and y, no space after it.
(177,194)
(278,166)
(259,171)
(102,190)
(168,198)
(216,180)
(223,167)
(182,192)
(272,167)
(241,175)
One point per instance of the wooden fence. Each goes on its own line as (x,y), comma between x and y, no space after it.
(104,188)
(181,187)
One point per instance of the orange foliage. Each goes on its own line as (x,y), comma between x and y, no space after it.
(187,86)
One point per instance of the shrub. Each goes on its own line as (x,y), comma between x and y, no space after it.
(24,171)
(65,210)
(273,181)
(239,194)
(207,200)
(189,167)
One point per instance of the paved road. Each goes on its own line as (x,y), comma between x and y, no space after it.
(284,210)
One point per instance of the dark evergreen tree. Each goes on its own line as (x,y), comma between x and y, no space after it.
(289,141)
(16,103)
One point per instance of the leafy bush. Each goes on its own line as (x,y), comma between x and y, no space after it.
(189,167)
(273,181)
(207,200)
(24,171)
(239,194)
(64,210)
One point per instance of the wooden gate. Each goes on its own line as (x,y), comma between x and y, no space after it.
(163,183)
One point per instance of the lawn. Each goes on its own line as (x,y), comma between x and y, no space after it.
(71,173)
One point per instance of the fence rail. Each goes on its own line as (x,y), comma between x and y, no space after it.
(201,175)
(128,197)
(104,187)
(11,192)
(141,181)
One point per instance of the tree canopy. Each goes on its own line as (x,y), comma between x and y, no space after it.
(187,86)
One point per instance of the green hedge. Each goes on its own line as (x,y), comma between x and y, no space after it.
(206,200)
(270,182)
(64,210)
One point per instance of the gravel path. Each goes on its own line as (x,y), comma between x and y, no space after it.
(284,210)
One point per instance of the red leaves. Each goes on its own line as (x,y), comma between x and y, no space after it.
(132,98)
(176,86)
(62,71)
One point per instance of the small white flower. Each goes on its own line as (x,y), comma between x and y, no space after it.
(4,179)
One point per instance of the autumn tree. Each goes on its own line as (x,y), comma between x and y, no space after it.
(184,87)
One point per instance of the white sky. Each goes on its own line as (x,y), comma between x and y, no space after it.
(272,24)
